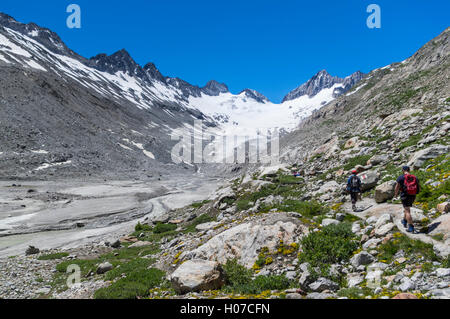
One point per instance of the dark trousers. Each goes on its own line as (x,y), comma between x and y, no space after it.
(354,197)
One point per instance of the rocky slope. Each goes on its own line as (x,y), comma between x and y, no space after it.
(270,234)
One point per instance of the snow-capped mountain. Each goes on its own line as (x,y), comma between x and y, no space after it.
(58,107)
(323,80)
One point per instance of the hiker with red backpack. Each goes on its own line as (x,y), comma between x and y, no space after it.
(354,188)
(408,186)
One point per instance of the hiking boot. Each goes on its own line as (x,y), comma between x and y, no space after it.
(410,229)
(404,222)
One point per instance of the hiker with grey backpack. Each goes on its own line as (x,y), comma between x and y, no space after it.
(354,188)
(408,186)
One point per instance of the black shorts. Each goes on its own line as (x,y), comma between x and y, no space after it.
(408,200)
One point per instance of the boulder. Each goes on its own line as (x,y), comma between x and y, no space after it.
(377,159)
(206,226)
(384,230)
(443,272)
(419,158)
(104,267)
(329,187)
(371,243)
(443,207)
(385,192)
(383,220)
(407,284)
(322,284)
(351,142)
(305,279)
(245,241)
(369,180)
(197,275)
(354,279)
(363,258)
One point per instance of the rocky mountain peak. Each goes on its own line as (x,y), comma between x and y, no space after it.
(118,61)
(153,72)
(121,61)
(253,94)
(323,80)
(214,88)
(42,35)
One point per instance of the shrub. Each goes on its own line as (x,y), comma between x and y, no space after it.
(307,209)
(239,280)
(204,218)
(236,274)
(140,227)
(53,256)
(409,246)
(200,204)
(135,284)
(357,160)
(333,244)
(134,265)
(161,228)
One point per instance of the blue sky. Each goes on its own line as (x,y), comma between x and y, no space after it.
(270,46)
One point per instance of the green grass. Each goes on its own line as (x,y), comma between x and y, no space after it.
(306,208)
(53,256)
(413,140)
(239,280)
(125,261)
(161,228)
(357,160)
(428,196)
(136,284)
(136,264)
(204,218)
(411,247)
(200,204)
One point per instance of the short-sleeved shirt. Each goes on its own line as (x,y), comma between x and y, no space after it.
(401,181)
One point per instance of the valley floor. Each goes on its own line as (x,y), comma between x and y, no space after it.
(69,214)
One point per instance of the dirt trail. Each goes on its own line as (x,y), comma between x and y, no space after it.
(441,225)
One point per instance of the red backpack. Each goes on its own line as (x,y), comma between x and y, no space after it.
(411,185)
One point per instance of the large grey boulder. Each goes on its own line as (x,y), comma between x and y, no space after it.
(206,226)
(197,275)
(104,267)
(383,220)
(245,241)
(354,279)
(369,180)
(419,158)
(363,258)
(385,192)
(378,159)
(384,230)
(322,284)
